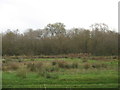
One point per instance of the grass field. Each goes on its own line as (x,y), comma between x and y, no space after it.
(60,73)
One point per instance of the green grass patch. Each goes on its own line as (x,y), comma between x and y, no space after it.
(54,76)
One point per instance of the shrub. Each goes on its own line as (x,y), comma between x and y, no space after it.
(42,73)
(14,66)
(114,57)
(47,74)
(31,67)
(3,61)
(97,65)
(87,66)
(22,73)
(10,66)
(63,64)
(52,76)
(38,65)
(4,68)
(84,60)
(35,66)
(54,62)
(52,69)
(104,65)
(74,65)
(6,60)
(68,66)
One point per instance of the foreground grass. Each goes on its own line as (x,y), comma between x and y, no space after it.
(69,78)
(102,79)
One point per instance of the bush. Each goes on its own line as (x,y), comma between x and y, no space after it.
(97,65)
(47,74)
(54,62)
(31,67)
(52,69)
(114,57)
(10,66)
(22,73)
(3,61)
(68,66)
(52,76)
(14,66)
(38,65)
(104,65)
(87,66)
(35,66)
(6,60)
(74,65)
(84,60)
(63,64)
(42,73)
(4,68)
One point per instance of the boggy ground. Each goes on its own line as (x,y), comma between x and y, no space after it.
(60,73)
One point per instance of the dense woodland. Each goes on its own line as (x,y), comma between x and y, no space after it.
(54,39)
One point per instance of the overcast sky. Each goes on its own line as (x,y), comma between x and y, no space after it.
(35,14)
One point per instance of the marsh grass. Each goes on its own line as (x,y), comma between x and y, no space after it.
(64,72)
(35,66)
(10,66)
(99,65)
(22,73)
(86,65)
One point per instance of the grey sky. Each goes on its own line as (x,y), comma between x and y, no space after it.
(24,14)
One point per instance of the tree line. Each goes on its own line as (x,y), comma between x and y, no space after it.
(54,39)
